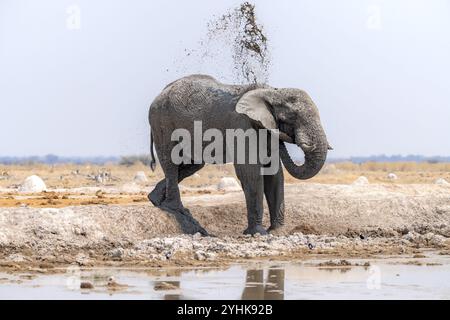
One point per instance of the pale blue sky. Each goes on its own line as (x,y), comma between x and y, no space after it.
(379,71)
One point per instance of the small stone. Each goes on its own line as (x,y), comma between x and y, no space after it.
(197,236)
(140,177)
(442,182)
(112,284)
(228,184)
(163,285)
(361,181)
(82,259)
(210,256)
(16,257)
(392,176)
(116,253)
(200,255)
(86,285)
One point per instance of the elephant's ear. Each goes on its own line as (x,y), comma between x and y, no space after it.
(253,105)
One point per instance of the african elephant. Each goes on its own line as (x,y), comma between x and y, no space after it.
(222,106)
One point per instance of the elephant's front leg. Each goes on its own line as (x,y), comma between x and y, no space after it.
(274,192)
(253,185)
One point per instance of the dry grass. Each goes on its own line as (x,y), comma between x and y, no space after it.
(70,176)
(376,172)
(395,166)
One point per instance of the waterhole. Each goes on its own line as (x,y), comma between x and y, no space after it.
(383,278)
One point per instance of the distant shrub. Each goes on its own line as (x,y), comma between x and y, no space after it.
(134,159)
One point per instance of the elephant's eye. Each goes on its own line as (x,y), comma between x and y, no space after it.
(284,127)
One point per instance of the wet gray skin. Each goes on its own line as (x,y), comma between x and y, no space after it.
(221,106)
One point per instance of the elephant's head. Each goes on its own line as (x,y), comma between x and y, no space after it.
(296,116)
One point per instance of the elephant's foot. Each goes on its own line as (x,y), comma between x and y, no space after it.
(255,229)
(184,217)
(176,209)
(156,197)
(277,229)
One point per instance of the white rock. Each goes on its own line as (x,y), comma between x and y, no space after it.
(210,256)
(392,176)
(140,177)
(82,259)
(197,236)
(200,255)
(228,184)
(441,181)
(33,184)
(361,181)
(15,257)
(117,253)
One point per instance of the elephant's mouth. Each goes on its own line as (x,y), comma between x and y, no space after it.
(285,137)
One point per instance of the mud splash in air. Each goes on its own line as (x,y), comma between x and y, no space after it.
(239,29)
(234,49)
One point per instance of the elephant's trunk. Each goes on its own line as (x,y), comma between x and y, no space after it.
(314,161)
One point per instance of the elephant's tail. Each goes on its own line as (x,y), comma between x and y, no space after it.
(152,155)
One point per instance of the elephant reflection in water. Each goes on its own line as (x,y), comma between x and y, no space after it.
(256,289)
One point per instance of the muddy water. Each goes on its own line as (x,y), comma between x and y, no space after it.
(387,278)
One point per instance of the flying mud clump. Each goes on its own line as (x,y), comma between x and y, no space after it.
(234,49)
(239,28)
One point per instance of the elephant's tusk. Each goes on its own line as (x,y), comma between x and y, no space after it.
(307,147)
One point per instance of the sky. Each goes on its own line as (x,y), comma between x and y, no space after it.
(77,77)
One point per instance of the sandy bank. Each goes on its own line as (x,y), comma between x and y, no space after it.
(335,219)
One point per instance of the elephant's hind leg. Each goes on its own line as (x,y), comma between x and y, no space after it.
(172,199)
(172,192)
(158,194)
